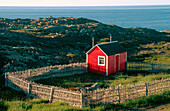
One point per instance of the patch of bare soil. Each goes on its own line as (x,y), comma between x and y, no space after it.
(163,107)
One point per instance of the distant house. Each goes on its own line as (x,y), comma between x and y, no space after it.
(106,58)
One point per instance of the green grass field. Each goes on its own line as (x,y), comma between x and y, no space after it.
(86,80)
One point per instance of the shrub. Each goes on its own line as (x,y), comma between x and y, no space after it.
(70,55)
(3,106)
(10,94)
(26,106)
(38,101)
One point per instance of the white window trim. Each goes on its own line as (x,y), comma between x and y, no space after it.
(104,61)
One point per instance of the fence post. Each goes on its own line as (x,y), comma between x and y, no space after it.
(126,66)
(29,73)
(86,67)
(146,89)
(104,99)
(29,89)
(118,90)
(6,80)
(81,99)
(51,95)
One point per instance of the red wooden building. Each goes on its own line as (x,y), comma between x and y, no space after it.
(106,58)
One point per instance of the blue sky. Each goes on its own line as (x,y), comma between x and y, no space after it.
(81,2)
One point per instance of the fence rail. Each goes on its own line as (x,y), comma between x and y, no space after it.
(121,93)
(22,81)
(141,66)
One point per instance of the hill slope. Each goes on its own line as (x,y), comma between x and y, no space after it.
(31,43)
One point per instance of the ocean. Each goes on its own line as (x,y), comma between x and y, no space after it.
(154,17)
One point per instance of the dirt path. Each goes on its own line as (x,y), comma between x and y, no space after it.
(164,107)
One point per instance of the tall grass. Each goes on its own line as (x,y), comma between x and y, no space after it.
(125,79)
(9,94)
(149,101)
(42,105)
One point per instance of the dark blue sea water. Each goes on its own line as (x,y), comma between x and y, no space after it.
(155,17)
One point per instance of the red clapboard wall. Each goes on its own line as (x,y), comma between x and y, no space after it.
(107,58)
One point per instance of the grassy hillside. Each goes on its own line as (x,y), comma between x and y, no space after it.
(31,43)
(153,53)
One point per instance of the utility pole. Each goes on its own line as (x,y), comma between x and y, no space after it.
(92,41)
(110,37)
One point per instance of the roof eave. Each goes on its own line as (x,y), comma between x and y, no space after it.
(101,50)
(91,49)
(98,47)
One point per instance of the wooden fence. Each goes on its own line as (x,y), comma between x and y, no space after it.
(22,81)
(121,93)
(51,93)
(52,71)
(142,66)
(76,98)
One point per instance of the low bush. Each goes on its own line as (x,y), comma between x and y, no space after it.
(10,94)
(3,106)
(38,101)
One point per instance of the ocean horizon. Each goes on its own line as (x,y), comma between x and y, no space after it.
(150,16)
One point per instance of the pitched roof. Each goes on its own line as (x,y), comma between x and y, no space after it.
(111,48)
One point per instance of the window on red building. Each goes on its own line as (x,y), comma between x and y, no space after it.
(101,60)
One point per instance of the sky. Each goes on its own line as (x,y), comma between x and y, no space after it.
(82,2)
